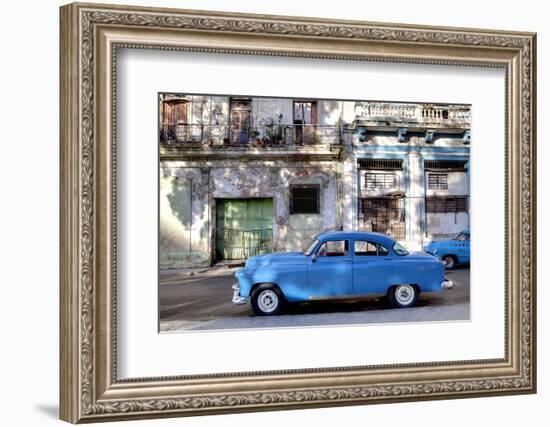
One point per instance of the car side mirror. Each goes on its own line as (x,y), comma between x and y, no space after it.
(314,258)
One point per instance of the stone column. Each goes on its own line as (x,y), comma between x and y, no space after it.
(349,191)
(415,199)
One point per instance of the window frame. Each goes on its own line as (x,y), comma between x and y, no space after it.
(385,185)
(291,203)
(438,185)
(377,244)
(432,202)
(346,248)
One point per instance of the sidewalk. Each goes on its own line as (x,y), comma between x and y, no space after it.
(216,270)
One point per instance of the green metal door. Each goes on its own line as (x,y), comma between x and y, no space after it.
(244,227)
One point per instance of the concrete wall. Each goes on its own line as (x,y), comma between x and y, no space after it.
(440,225)
(443,226)
(183,217)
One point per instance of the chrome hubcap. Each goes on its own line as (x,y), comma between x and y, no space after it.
(268,301)
(449,261)
(404,294)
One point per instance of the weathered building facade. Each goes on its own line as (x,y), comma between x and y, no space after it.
(241,176)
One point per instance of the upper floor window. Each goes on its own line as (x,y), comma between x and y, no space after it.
(241,119)
(304,199)
(446,165)
(437,181)
(380,180)
(305,112)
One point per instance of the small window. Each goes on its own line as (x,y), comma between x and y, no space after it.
(380,164)
(364,248)
(333,248)
(304,199)
(437,181)
(446,165)
(380,180)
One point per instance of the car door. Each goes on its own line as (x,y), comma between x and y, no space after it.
(462,245)
(466,248)
(372,267)
(329,270)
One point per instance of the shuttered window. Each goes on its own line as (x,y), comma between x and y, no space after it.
(446,204)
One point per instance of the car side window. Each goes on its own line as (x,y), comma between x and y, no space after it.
(333,248)
(365,248)
(463,237)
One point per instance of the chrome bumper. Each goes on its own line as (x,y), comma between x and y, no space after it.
(447,284)
(237,298)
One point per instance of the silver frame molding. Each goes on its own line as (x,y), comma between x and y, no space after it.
(90,37)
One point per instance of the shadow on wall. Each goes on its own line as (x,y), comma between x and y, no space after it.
(179,199)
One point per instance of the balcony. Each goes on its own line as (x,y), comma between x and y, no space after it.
(215,135)
(275,141)
(421,116)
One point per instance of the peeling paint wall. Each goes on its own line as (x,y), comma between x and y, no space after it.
(289,231)
(188,204)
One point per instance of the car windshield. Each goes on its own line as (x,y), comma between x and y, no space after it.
(310,247)
(400,250)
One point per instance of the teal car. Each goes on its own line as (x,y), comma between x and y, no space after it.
(452,252)
(336,266)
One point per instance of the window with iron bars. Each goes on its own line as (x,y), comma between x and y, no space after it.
(446,165)
(380,180)
(437,181)
(446,204)
(383,215)
(381,164)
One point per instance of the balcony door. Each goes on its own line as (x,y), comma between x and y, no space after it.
(305,117)
(241,120)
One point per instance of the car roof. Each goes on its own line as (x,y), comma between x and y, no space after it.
(375,237)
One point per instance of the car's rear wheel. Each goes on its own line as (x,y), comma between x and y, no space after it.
(449,261)
(403,296)
(267,300)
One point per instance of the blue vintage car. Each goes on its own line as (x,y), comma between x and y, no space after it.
(339,265)
(452,252)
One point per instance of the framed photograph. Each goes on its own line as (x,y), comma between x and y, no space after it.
(268,212)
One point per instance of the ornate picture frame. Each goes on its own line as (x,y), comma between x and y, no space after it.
(90,37)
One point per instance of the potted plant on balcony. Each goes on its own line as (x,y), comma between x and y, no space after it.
(255,135)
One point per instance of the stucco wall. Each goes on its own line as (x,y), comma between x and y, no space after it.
(442,226)
(183,217)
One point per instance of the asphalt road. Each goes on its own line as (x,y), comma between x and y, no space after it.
(203,302)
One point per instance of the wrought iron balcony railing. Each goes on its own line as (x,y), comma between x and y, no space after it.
(279,134)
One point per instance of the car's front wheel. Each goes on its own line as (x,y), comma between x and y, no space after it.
(267,300)
(449,261)
(403,296)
